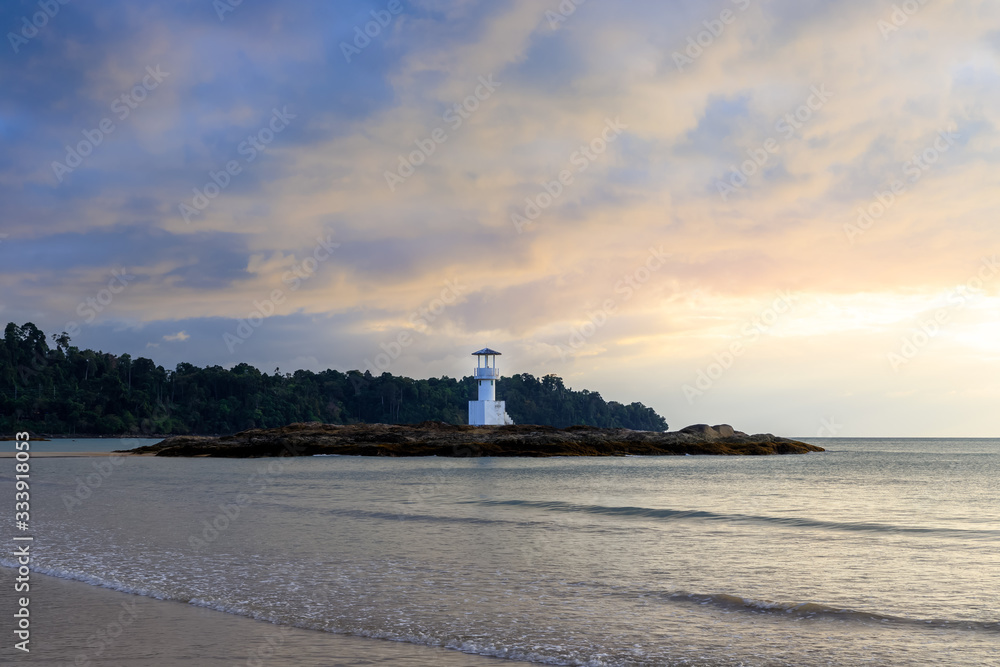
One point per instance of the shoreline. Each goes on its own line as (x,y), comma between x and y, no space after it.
(67,615)
(57,455)
(48,437)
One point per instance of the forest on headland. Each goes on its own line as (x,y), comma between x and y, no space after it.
(62,390)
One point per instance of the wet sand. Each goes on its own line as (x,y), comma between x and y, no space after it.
(76,623)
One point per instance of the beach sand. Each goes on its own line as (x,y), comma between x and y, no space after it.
(73,623)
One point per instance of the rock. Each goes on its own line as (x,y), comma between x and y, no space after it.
(701,431)
(724,430)
(440,439)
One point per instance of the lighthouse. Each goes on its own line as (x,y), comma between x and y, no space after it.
(487,411)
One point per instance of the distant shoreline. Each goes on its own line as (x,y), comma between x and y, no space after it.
(85,436)
(441,439)
(60,455)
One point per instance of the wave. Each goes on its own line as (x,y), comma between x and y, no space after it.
(516,648)
(429,518)
(725,602)
(814,610)
(484,647)
(794,522)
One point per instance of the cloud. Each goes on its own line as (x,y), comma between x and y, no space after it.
(687,130)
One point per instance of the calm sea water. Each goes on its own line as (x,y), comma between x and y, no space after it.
(876,552)
(83,444)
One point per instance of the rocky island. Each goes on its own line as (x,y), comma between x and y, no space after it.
(441,439)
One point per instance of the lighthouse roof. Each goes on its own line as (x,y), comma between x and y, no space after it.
(483,352)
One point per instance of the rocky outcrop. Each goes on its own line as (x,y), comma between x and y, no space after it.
(440,439)
(724,430)
(711,432)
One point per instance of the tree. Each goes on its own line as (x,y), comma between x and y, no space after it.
(68,390)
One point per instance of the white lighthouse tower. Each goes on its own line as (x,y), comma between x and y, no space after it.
(487,411)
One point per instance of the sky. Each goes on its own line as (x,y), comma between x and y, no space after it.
(778,214)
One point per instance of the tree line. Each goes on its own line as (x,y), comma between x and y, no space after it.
(62,390)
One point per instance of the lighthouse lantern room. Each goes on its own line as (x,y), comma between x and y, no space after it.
(487,411)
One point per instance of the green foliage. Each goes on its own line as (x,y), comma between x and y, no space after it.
(67,391)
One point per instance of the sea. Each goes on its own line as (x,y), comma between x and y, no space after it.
(874,552)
